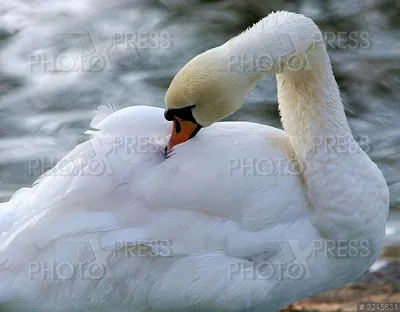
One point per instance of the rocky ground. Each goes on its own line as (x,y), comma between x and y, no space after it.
(379,286)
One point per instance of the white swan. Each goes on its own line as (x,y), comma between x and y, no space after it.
(242,217)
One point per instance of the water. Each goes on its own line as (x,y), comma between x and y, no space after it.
(61,59)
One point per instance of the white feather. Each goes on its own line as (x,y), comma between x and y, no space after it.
(116,226)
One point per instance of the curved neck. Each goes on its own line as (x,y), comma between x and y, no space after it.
(310,104)
(291,46)
(325,153)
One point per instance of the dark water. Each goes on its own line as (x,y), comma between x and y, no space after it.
(60,59)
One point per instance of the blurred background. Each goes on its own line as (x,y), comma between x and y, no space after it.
(60,59)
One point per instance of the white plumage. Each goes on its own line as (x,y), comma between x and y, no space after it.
(226,223)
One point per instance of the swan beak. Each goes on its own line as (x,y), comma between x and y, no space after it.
(182,131)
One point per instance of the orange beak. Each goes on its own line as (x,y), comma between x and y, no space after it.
(182,131)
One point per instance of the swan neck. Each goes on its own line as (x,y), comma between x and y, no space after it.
(291,46)
(309,101)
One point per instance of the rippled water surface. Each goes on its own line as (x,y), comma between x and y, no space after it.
(61,59)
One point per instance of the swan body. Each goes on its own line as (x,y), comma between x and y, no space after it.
(242,217)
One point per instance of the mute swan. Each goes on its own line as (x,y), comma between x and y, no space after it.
(117,227)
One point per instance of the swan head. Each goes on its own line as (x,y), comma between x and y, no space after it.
(204,91)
